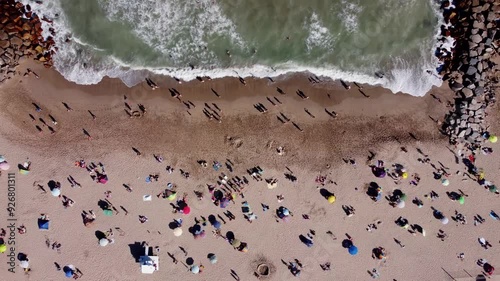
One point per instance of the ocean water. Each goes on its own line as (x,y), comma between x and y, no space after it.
(338,39)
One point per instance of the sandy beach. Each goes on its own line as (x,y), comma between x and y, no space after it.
(385,124)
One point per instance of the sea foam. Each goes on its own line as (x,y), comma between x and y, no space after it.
(83,63)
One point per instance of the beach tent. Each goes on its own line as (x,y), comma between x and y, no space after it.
(43,224)
(177,232)
(492,188)
(4,166)
(149,264)
(353,250)
(107,212)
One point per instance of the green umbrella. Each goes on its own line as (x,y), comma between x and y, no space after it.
(461,200)
(108,212)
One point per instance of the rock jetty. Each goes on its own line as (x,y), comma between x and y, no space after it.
(470,70)
(21,37)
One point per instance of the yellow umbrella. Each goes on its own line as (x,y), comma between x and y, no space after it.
(405,175)
(3,248)
(331,199)
(236,243)
(493,139)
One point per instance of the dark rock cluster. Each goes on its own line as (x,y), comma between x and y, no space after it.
(21,36)
(470,71)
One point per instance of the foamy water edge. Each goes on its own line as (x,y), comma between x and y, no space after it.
(402,77)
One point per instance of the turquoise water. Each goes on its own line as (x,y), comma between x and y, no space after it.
(340,39)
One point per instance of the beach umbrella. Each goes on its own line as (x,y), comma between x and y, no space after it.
(400,204)
(24,171)
(461,200)
(103,179)
(195,269)
(379,172)
(331,199)
(285,212)
(236,243)
(68,271)
(103,242)
(55,192)
(177,232)
(24,264)
(43,224)
(172,196)
(493,139)
(492,188)
(445,182)
(224,202)
(3,248)
(353,250)
(216,224)
(2,158)
(405,175)
(213,259)
(4,166)
(186,210)
(444,220)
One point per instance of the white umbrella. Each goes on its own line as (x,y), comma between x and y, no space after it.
(2,159)
(55,192)
(103,242)
(4,166)
(24,264)
(177,231)
(401,204)
(195,269)
(213,259)
(445,182)
(444,220)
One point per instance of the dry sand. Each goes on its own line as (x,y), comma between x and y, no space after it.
(381,124)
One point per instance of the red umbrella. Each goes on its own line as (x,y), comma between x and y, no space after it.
(186,210)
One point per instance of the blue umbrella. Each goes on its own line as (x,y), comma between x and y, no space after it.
(353,250)
(43,224)
(224,202)
(216,224)
(68,271)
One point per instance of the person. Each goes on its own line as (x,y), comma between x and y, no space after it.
(21,229)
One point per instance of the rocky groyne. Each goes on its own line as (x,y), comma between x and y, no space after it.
(21,37)
(469,68)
